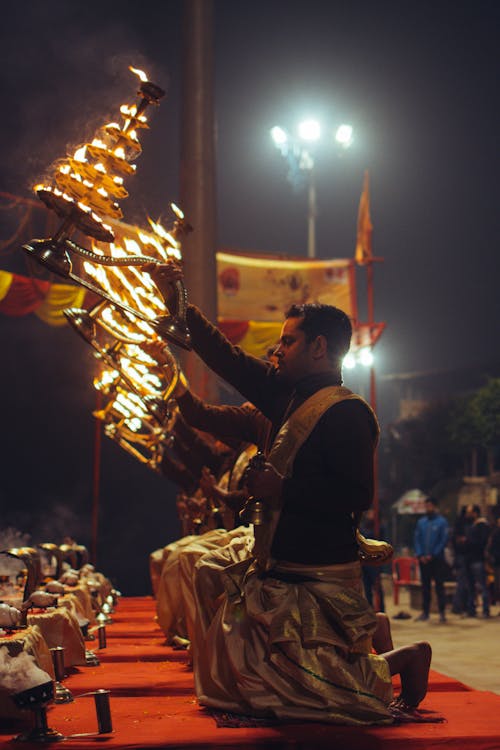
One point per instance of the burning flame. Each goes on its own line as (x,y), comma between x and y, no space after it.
(131,114)
(142,75)
(177,211)
(137,330)
(107,378)
(79,154)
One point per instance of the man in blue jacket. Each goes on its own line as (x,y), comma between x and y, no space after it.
(431,537)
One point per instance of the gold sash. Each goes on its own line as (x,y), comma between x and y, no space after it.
(292,435)
(295,431)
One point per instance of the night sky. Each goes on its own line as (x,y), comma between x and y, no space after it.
(419,84)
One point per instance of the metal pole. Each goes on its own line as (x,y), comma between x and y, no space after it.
(96,479)
(376,504)
(373,395)
(311,218)
(197,173)
(376,501)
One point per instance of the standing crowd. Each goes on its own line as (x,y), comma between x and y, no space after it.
(475,546)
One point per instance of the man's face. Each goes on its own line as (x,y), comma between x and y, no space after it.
(430,508)
(470,513)
(293,352)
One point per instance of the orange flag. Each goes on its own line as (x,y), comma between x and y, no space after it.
(363,253)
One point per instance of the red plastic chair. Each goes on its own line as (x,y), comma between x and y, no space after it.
(405,571)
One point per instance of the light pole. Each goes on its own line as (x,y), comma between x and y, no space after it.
(365,358)
(312,212)
(299,152)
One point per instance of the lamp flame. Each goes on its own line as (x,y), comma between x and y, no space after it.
(142,75)
(79,154)
(177,211)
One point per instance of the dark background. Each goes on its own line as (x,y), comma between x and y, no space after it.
(419,84)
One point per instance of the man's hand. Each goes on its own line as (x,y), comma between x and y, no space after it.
(164,275)
(182,385)
(264,483)
(207,482)
(157,350)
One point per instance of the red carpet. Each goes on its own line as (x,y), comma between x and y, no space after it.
(153,705)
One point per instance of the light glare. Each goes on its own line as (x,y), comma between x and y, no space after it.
(366,357)
(344,135)
(310,130)
(349,361)
(278,135)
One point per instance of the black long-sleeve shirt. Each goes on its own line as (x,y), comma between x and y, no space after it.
(177,472)
(332,474)
(244,423)
(196,451)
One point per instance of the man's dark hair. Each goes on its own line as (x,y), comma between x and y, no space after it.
(432,500)
(327,321)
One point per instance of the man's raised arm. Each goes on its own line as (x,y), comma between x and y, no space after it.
(254,378)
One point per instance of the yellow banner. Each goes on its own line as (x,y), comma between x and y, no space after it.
(260,337)
(59,297)
(5,282)
(262,288)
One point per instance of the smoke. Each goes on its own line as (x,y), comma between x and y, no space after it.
(10,538)
(61,521)
(18,673)
(67,81)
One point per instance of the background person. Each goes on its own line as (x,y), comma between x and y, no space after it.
(431,538)
(477,536)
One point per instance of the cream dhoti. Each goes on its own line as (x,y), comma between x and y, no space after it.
(294,643)
(173,593)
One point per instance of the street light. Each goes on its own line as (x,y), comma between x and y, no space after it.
(363,356)
(366,357)
(299,154)
(349,361)
(344,135)
(309,130)
(279,135)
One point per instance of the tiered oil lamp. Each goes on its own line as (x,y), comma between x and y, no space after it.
(83,196)
(127,422)
(84,188)
(159,298)
(127,364)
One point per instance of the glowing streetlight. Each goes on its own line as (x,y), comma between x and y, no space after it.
(366,357)
(279,136)
(363,357)
(349,361)
(299,152)
(310,130)
(343,136)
